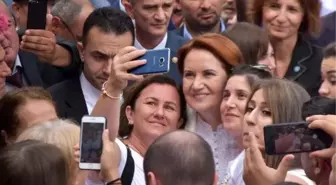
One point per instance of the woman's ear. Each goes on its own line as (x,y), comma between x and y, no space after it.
(129,115)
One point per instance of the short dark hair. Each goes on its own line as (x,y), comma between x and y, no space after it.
(330,50)
(132,93)
(26,1)
(33,163)
(108,20)
(11,102)
(319,105)
(180,158)
(253,74)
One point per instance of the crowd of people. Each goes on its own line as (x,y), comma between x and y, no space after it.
(236,66)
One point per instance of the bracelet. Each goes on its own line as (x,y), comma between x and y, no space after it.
(114,181)
(106,94)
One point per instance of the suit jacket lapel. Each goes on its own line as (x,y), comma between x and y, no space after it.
(75,99)
(302,52)
(30,69)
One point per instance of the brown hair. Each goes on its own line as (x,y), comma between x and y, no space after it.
(32,162)
(10,104)
(132,93)
(220,46)
(311,9)
(285,99)
(253,45)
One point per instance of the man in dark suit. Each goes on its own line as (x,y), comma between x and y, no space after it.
(151,28)
(26,69)
(103,37)
(203,18)
(328,31)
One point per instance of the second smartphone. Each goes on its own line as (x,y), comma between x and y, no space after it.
(91,143)
(286,138)
(158,61)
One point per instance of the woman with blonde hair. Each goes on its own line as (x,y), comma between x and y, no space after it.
(275,101)
(62,133)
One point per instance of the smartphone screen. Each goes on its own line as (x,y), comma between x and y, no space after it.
(37,14)
(294,138)
(91,144)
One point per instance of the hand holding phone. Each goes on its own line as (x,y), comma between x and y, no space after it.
(158,61)
(91,143)
(37,14)
(286,138)
(123,61)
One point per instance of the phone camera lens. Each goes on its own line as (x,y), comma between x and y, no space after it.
(162,60)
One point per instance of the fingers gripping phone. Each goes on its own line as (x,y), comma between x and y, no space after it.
(91,143)
(158,61)
(37,14)
(286,138)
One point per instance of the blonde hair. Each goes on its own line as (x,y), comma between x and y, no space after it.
(62,133)
(285,99)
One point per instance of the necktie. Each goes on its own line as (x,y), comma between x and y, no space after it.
(15,79)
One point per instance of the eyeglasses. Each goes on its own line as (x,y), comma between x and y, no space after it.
(69,30)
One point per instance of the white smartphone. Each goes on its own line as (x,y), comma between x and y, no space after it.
(91,144)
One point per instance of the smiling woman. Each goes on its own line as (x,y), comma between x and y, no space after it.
(205,63)
(286,22)
(274,101)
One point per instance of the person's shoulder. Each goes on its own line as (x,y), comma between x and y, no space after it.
(61,88)
(329,17)
(177,38)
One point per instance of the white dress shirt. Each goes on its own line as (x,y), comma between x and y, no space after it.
(10,87)
(161,45)
(91,94)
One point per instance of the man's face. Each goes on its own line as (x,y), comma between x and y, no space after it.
(201,13)
(21,13)
(152,16)
(9,39)
(229,9)
(74,31)
(98,54)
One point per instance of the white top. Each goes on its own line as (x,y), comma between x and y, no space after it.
(235,174)
(161,45)
(91,94)
(223,145)
(138,177)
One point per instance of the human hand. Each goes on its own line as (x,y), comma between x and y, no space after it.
(124,61)
(257,172)
(327,123)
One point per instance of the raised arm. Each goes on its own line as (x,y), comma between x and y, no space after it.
(108,104)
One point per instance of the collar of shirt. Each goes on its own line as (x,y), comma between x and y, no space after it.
(161,45)
(121,6)
(16,64)
(91,94)
(187,35)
